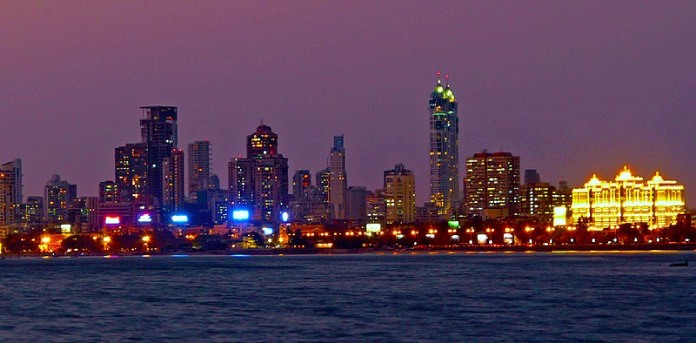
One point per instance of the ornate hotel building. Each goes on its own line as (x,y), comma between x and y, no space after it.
(628,199)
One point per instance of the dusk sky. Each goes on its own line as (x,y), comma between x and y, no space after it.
(572,87)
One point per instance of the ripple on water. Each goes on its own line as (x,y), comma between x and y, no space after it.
(380,298)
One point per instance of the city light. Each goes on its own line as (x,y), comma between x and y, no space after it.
(180,218)
(145,218)
(65,228)
(373,228)
(240,215)
(284,217)
(112,220)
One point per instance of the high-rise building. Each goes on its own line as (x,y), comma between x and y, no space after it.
(493,184)
(531,176)
(356,203)
(58,195)
(131,172)
(322,189)
(241,181)
(400,195)
(263,142)
(173,181)
(108,192)
(10,192)
(198,168)
(301,184)
(444,149)
(376,206)
(259,182)
(271,182)
(158,131)
(33,210)
(628,199)
(338,183)
(537,199)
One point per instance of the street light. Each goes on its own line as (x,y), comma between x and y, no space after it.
(106,240)
(146,239)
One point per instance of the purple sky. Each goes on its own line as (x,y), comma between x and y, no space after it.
(572,87)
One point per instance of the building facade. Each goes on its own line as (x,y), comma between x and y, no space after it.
(537,199)
(338,183)
(33,210)
(259,182)
(58,197)
(11,193)
(301,184)
(400,195)
(628,199)
(173,181)
(356,205)
(493,184)
(158,130)
(108,192)
(131,172)
(198,168)
(444,149)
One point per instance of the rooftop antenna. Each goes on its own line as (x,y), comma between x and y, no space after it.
(438,76)
(447,80)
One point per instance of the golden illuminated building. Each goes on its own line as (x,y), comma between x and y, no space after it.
(400,195)
(628,199)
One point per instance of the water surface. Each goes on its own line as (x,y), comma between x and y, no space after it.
(602,297)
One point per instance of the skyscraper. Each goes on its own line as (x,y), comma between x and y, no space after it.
(322,188)
(59,195)
(198,168)
(338,184)
(131,172)
(271,182)
(400,195)
(444,149)
(263,142)
(493,183)
(10,192)
(158,131)
(259,182)
(173,181)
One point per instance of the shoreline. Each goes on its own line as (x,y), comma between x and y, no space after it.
(576,248)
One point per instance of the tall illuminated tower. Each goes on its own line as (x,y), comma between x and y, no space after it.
(173,181)
(158,130)
(259,182)
(198,168)
(444,148)
(338,184)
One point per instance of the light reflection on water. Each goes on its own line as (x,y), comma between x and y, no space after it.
(372,297)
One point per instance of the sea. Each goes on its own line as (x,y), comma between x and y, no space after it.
(375,297)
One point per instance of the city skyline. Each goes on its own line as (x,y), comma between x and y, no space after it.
(570,99)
